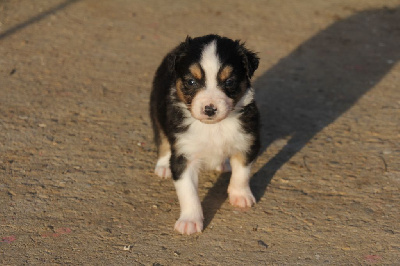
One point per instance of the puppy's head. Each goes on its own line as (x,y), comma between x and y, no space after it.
(212,74)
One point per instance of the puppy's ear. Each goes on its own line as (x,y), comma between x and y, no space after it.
(176,54)
(188,40)
(252,62)
(250,59)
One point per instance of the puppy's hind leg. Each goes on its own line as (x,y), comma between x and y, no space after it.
(164,154)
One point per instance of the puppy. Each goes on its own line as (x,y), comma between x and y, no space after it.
(203,113)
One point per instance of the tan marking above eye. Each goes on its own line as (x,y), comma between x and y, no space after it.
(225,73)
(195,70)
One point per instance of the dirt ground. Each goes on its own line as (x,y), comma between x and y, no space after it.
(76,154)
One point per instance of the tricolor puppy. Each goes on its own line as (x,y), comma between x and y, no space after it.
(203,113)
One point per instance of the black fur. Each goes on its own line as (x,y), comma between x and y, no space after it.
(250,119)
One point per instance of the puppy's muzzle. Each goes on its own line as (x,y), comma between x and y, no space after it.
(211,106)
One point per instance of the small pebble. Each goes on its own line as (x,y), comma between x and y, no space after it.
(262,243)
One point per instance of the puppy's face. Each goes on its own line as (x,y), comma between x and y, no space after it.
(212,75)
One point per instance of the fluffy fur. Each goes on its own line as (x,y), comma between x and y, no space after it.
(203,113)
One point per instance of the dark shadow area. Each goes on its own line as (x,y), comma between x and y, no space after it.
(36,18)
(314,85)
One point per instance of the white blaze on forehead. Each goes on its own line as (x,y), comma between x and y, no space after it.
(211,95)
(210,64)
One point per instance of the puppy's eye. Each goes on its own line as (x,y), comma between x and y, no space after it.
(229,83)
(191,83)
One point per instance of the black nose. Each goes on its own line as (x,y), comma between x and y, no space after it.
(210,110)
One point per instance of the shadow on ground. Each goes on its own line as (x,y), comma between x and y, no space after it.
(314,85)
(36,18)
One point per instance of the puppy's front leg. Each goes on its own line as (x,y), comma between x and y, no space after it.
(239,191)
(185,175)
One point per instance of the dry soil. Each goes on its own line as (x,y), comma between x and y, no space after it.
(76,154)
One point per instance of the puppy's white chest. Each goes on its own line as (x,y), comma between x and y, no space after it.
(211,144)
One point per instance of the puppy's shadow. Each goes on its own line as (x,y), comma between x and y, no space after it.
(314,85)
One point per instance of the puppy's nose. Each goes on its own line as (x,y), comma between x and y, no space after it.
(210,110)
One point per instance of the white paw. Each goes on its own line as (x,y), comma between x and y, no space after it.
(163,171)
(188,227)
(225,167)
(241,198)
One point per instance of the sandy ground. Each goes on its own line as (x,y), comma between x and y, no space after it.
(76,154)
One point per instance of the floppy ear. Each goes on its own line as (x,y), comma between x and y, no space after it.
(252,62)
(176,54)
(250,59)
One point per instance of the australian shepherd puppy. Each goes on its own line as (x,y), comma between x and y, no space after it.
(203,113)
